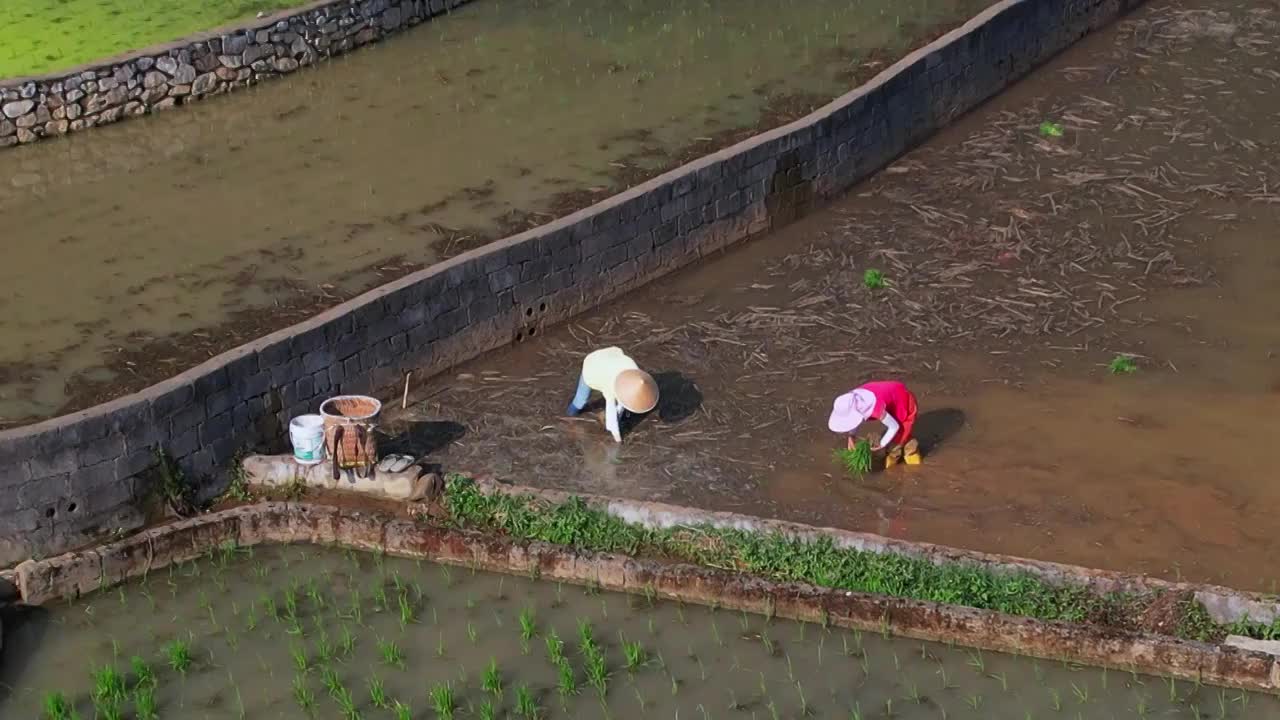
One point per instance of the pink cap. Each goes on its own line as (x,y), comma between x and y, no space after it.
(850,409)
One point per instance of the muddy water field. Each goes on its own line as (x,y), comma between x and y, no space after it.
(141,249)
(304,632)
(1080,283)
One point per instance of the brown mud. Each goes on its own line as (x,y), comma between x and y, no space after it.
(1019,266)
(142,358)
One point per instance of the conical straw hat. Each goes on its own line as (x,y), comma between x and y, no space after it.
(636,390)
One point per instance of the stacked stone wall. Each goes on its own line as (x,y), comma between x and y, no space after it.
(198,67)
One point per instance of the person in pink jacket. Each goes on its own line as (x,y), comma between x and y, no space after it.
(889,402)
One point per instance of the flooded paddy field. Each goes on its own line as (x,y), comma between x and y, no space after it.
(142,249)
(295,632)
(1019,266)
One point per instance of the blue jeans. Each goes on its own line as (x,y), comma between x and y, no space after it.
(580,399)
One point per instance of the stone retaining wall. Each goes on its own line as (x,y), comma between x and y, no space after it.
(73,575)
(1224,605)
(71,479)
(207,64)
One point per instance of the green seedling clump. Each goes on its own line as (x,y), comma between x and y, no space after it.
(56,707)
(144,702)
(143,675)
(873,279)
(443,700)
(391,653)
(491,682)
(1051,129)
(108,686)
(856,462)
(179,654)
(526,706)
(635,655)
(377,693)
(816,561)
(1122,365)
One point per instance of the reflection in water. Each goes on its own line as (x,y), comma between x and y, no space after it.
(305,190)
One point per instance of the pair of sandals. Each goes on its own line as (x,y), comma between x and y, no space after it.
(395,463)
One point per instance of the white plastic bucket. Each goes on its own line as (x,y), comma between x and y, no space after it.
(306,432)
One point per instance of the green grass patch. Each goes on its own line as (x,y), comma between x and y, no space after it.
(43,36)
(778,557)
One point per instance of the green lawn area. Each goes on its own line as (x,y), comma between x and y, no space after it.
(41,36)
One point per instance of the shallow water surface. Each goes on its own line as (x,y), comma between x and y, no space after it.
(237,216)
(1018,266)
(290,632)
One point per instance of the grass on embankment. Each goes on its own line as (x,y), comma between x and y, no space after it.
(781,558)
(43,36)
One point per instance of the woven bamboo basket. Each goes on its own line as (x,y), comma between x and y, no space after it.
(350,422)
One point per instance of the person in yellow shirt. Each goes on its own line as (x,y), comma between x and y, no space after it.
(625,387)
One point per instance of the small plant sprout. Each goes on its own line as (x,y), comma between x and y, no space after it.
(142,672)
(486,711)
(347,644)
(299,656)
(378,693)
(1055,700)
(443,700)
(108,685)
(977,662)
(873,279)
(401,711)
(346,704)
(1004,680)
(491,681)
(406,610)
(528,625)
(805,710)
(567,683)
(1081,693)
(471,632)
(634,653)
(179,654)
(391,653)
(526,705)
(302,694)
(1122,365)
(1051,129)
(913,693)
(555,647)
(586,638)
(597,673)
(332,683)
(324,648)
(56,707)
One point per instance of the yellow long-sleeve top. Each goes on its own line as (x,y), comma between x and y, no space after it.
(600,371)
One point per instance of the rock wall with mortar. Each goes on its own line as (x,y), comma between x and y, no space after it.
(73,479)
(208,64)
